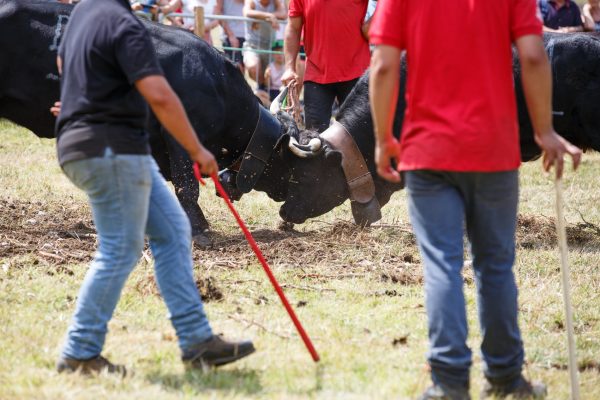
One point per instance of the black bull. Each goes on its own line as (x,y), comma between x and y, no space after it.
(220,104)
(318,184)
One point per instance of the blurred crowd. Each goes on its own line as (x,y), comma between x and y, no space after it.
(257,47)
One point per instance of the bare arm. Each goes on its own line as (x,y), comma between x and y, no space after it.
(588,20)
(383,93)
(291,47)
(537,85)
(170,6)
(280,10)
(219,9)
(250,11)
(168,109)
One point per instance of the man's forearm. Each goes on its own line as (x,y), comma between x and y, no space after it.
(536,78)
(291,48)
(383,90)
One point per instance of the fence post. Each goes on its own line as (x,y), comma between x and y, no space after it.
(199,21)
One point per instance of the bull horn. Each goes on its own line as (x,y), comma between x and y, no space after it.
(305,151)
(277,101)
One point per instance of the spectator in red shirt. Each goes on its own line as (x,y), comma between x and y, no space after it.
(336,53)
(459,157)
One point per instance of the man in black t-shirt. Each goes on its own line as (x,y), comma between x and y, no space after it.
(109,68)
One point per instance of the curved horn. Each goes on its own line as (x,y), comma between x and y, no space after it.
(277,101)
(304,151)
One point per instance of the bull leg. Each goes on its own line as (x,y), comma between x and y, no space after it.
(188,191)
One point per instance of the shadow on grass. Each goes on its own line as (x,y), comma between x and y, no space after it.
(237,380)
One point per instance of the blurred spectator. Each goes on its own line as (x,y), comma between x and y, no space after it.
(152,8)
(146,9)
(561,16)
(233,31)
(260,35)
(336,53)
(189,23)
(591,15)
(275,70)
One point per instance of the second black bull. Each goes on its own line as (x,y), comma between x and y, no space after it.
(318,183)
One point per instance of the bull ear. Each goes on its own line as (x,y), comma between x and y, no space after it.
(277,103)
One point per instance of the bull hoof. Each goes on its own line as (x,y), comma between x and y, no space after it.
(202,241)
(286,226)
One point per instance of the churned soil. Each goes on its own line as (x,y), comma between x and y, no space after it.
(63,234)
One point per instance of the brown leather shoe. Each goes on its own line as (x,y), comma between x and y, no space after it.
(215,352)
(94,365)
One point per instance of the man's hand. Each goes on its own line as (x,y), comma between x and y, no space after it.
(207,162)
(273,20)
(555,147)
(289,76)
(55,109)
(385,152)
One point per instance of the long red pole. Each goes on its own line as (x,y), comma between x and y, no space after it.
(261,258)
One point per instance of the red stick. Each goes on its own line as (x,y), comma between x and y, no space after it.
(259,255)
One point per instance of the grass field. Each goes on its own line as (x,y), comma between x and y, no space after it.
(358,292)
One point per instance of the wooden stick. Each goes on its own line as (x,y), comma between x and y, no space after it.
(566,284)
(199,21)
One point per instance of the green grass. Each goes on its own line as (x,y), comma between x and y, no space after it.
(361,288)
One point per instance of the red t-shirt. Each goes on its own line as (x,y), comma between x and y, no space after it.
(461,107)
(336,51)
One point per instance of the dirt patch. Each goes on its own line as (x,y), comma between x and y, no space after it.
(582,366)
(209,291)
(59,235)
(540,232)
(52,234)
(400,341)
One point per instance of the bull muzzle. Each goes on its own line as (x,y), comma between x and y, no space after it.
(309,150)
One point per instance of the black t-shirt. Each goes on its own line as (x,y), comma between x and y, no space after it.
(105,49)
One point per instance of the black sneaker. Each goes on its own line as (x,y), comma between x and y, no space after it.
(91,366)
(216,352)
(520,389)
(443,392)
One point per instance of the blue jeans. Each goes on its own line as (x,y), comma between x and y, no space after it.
(441,204)
(130,198)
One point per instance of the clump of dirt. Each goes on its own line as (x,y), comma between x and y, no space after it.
(400,341)
(209,290)
(207,287)
(540,232)
(403,276)
(582,366)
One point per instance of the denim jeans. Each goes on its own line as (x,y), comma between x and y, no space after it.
(130,198)
(441,204)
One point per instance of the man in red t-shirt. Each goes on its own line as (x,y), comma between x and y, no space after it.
(459,157)
(336,53)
